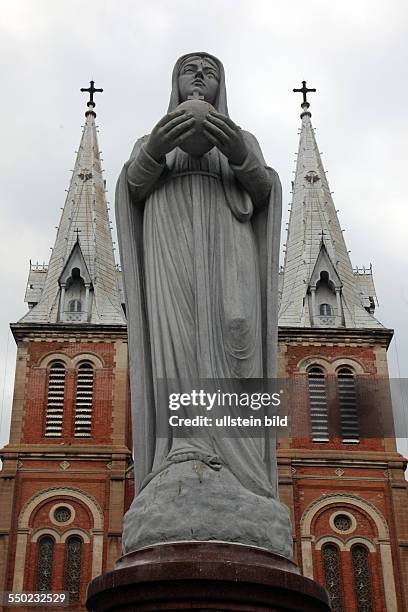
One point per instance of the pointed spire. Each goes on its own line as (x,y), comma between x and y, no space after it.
(81,283)
(320,288)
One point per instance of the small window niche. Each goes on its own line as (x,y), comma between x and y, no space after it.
(324,293)
(326,310)
(76,289)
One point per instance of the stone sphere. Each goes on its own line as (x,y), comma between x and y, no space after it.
(197,144)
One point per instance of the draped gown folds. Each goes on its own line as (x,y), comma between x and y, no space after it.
(199,241)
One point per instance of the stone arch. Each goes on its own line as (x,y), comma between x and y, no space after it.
(331,539)
(47,359)
(92,357)
(46,531)
(343,498)
(76,531)
(354,364)
(89,501)
(314,360)
(383,540)
(24,531)
(360,540)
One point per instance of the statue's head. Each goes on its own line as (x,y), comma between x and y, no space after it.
(199,73)
(203,72)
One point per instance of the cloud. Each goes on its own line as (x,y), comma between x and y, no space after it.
(352,53)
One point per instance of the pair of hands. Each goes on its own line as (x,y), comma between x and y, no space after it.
(173,128)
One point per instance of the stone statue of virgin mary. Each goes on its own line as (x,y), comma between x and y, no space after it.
(199,243)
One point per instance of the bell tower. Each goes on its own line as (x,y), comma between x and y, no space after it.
(64,477)
(346,488)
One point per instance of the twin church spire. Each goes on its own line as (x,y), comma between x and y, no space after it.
(320,287)
(80,284)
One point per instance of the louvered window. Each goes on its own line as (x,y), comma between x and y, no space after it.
(45,559)
(73,562)
(348,405)
(55,400)
(318,405)
(84,398)
(332,575)
(362,579)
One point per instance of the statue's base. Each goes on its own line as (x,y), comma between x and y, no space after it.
(205,576)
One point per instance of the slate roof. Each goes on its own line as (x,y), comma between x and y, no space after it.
(84,218)
(313,221)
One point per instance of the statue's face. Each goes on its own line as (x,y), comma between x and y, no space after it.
(201,74)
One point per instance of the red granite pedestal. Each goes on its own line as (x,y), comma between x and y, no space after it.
(205,576)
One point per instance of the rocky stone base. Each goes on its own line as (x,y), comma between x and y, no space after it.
(190,501)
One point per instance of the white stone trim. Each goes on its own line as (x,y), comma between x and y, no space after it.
(349,515)
(53,509)
(331,539)
(71,363)
(76,531)
(61,492)
(330,366)
(341,499)
(19,562)
(388,577)
(92,357)
(97,548)
(46,360)
(307,557)
(360,540)
(353,364)
(46,531)
(311,361)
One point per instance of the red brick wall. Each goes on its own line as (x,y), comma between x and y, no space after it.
(364,357)
(37,390)
(315,476)
(310,482)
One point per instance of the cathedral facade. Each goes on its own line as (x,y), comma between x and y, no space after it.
(67,479)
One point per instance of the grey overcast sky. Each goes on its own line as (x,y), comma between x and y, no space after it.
(354,53)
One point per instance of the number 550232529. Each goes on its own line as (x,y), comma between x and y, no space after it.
(33,598)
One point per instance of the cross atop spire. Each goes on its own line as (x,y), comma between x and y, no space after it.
(91,90)
(77,231)
(304,90)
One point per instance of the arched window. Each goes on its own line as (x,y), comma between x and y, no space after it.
(362,578)
(55,400)
(348,405)
(73,562)
(75,306)
(332,576)
(318,405)
(45,559)
(84,399)
(326,310)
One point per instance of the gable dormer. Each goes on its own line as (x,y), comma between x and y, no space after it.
(76,289)
(324,293)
